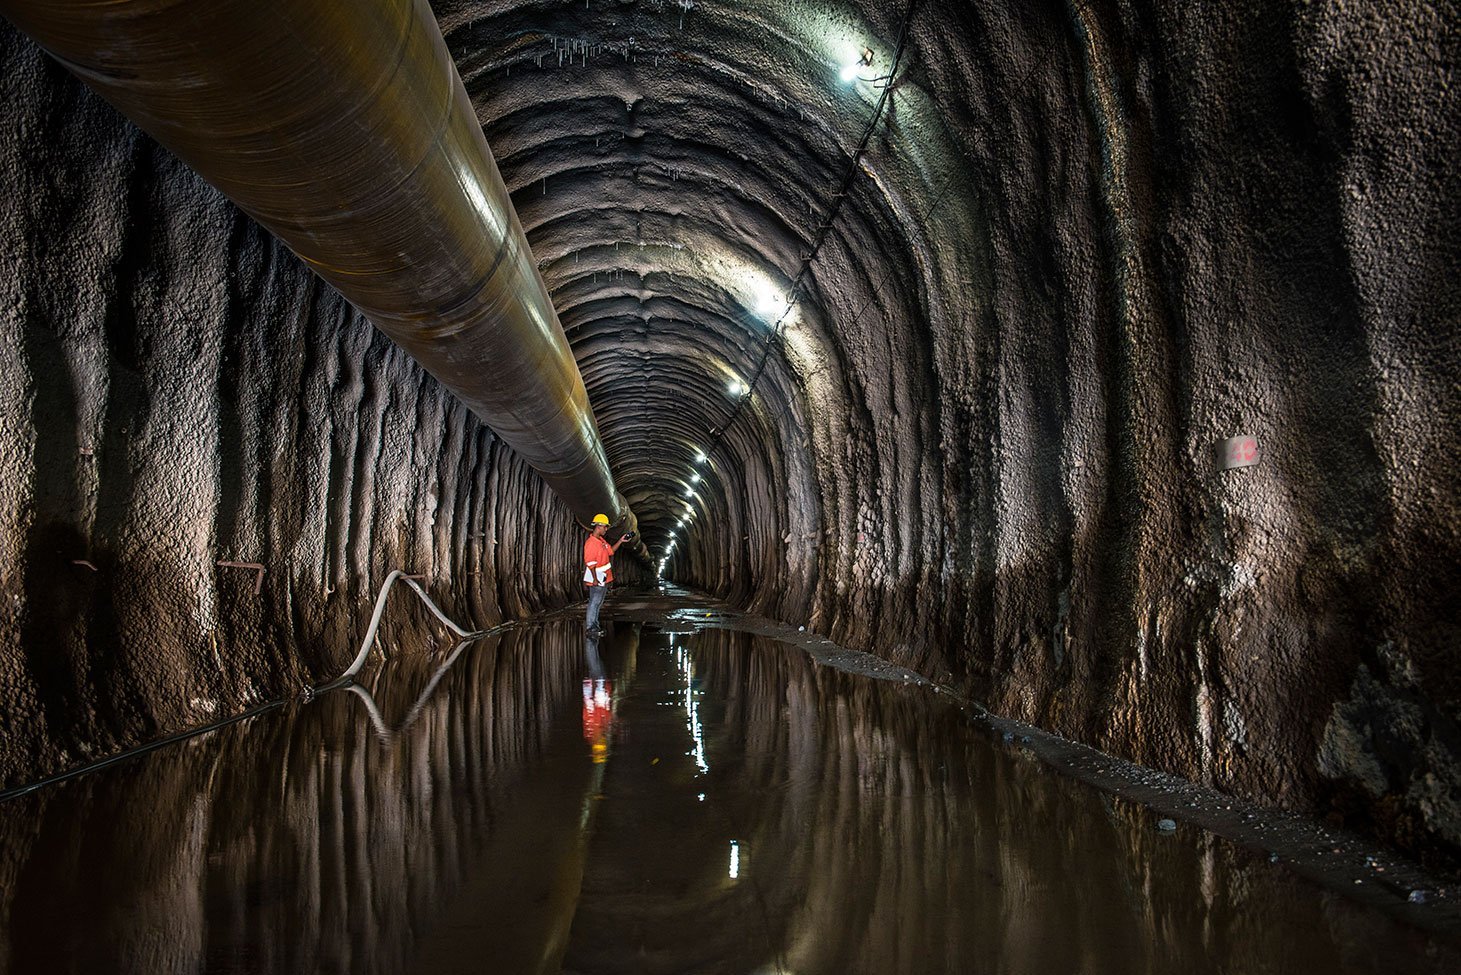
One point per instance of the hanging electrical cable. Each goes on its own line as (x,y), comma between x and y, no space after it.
(794,293)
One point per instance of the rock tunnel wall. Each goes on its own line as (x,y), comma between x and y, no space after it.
(1179,228)
(1087,242)
(177,391)
(1176,228)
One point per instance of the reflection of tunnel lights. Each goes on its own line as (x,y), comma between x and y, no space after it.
(692,711)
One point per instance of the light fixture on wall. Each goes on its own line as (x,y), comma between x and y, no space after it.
(853,71)
(769,304)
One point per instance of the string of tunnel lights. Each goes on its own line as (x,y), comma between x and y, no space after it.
(741,391)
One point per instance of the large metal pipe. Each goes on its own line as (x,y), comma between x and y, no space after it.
(344,128)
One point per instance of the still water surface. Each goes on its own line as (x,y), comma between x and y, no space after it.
(707,802)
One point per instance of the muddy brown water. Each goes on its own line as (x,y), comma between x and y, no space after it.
(649,802)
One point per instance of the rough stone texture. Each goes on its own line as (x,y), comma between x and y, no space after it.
(1091,240)
(179,390)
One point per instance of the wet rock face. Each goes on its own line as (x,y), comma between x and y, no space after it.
(1089,242)
(179,391)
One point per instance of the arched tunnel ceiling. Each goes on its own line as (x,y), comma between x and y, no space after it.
(1089,241)
(671,164)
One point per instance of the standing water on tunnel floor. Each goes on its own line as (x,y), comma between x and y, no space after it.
(648,802)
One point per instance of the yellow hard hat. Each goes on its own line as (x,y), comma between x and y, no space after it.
(601,519)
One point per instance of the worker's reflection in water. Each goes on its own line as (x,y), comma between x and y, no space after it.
(598,701)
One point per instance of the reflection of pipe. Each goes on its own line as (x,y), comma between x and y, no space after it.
(345,129)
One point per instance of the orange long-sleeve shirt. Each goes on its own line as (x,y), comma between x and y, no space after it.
(596,553)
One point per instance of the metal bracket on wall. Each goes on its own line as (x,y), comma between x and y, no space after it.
(258,580)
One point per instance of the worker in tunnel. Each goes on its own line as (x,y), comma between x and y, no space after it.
(598,569)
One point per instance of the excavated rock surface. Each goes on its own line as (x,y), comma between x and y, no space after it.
(1088,242)
(177,390)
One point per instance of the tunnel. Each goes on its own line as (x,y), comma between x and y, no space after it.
(1070,385)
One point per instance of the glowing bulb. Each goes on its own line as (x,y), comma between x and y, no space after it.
(737,388)
(699,456)
(853,71)
(694,478)
(768,303)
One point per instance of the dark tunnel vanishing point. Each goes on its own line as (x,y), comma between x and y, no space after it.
(1088,242)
